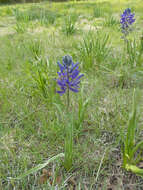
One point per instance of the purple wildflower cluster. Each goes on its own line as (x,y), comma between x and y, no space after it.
(69,75)
(127,19)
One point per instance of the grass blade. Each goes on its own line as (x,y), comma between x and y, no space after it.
(40,166)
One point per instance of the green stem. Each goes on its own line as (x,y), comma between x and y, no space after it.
(125,49)
(68,98)
(68,92)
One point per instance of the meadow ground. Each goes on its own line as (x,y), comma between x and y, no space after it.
(33,37)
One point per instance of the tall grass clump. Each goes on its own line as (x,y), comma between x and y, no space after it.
(98,11)
(69,26)
(94,49)
(132,151)
(20,27)
(35,47)
(40,75)
(134,52)
(43,15)
(39,69)
(20,16)
(44,84)
(110,21)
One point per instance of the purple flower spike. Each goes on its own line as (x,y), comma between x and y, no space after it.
(127,19)
(69,75)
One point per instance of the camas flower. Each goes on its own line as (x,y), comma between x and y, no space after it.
(127,19)
(69,75)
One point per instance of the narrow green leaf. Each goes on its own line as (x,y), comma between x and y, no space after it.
(40,166)
(136,148)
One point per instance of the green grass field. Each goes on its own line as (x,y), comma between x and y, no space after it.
(33,117)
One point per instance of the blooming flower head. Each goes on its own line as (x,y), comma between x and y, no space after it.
(69,75)
(127,19)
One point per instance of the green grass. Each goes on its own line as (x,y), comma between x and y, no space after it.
(33,122)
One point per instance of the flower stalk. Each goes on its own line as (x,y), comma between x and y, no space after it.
(68,92)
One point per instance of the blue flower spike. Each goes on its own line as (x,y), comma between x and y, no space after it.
(69,76)
(126,21)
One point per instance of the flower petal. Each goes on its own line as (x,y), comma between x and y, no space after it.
(73,89)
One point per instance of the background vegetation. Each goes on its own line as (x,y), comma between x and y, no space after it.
(27,1)
(18,1)
(33,38)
